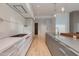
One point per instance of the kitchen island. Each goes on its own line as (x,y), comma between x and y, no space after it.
(59,45)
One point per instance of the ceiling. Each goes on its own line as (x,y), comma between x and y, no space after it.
(69,7)
(43,10)
(48,9)
(23,9)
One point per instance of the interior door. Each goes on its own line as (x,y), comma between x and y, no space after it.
(36,28)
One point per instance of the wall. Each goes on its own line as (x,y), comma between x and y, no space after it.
(29,26)
(74,21)
(45,24)
(12,22)
(62,22)
(53,21)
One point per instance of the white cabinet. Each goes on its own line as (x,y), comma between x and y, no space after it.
(24,46)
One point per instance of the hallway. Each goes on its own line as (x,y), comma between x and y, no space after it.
(38,48)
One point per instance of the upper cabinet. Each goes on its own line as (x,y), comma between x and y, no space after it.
(23,9)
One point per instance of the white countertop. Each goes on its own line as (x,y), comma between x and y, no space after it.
(8,42)
(72,43)
(5,43)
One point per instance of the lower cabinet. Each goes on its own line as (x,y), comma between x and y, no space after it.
(56,48)
(24,46)
(9,51)
(18,49)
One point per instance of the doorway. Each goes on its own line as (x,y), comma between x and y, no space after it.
(36,28)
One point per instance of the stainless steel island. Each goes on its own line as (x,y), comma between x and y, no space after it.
(62,46)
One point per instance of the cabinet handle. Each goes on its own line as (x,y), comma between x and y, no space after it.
(63,51)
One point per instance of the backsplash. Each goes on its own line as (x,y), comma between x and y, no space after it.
(12,23)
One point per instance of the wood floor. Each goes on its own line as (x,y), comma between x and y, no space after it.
(38,48)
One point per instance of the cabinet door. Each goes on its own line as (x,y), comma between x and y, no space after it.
(23,46)
(64,49)
(20,46)
(55,49)
(9,51)
(58,48)
(53,46)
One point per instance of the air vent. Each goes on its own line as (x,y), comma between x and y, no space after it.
(20,8)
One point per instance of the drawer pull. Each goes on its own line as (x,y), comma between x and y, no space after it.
(63,51)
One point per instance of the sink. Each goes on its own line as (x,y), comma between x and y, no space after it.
(18,35)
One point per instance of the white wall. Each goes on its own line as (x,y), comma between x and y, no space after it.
(12,22)
(29,27)
(45,24)
(62,22)
(53,28)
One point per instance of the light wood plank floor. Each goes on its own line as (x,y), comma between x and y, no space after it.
(38,48)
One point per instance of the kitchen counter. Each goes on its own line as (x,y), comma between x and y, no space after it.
(71,43)
(9,41)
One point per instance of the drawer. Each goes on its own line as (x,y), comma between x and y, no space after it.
(21,49)
(24,41)
(66,50)
(57,48)
(54,48)
(20,43)
(14,53)
(61,49)
(8,51)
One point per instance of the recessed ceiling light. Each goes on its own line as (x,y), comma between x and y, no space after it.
(62,9)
